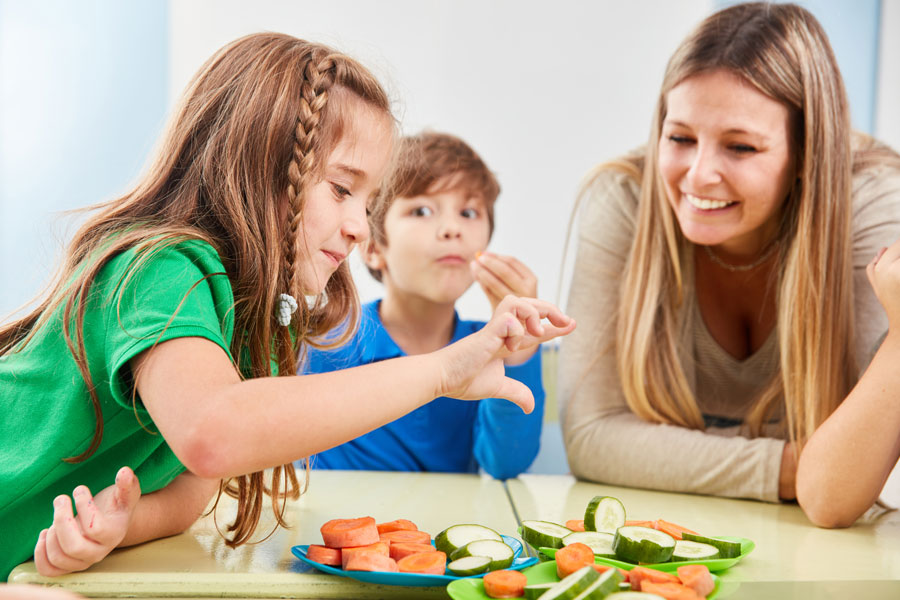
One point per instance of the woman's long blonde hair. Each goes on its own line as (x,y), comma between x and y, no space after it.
(249,137)
(781,50)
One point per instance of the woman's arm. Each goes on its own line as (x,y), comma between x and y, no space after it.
(220,426)
(604,440)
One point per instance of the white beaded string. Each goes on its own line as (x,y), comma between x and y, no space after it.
(285,308)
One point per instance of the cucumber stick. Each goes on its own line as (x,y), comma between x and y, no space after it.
(604,513)
(572,585)
(456,536)
(727,548)
(469,565)
(636,544)
(501,555)
(598,541)
(606,584)
(687,550)
(535,590)
(543,534)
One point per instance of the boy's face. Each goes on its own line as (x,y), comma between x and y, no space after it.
(431,239)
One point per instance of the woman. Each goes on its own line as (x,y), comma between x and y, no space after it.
(720,277)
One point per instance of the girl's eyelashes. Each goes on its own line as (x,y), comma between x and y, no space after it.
(340,191)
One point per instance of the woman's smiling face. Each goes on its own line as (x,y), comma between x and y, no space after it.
(727,160)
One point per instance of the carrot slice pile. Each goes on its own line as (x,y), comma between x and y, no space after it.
(371,561)
(324,555)
(433,563)
(638,575)
(505,584)
(400,550)
(672,529)
(698,578)
(670,591)
(397,525)
(418,537)
(573,557)
(575,524)
(343,533)
(382,548)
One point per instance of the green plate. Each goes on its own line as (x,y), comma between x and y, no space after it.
(713,564)
(545,572)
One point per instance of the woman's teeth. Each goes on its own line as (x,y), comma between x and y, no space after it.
(704,204)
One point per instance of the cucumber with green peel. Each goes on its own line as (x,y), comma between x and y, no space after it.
(688,550)
(571,585)
(543,534)
(624,586)
(469,565)
(534,590)
(604,513)
(636,544)
(727,548)
(456,536)
(598,541)
(606,584)
(501,555)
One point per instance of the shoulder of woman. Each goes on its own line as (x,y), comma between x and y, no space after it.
(614,186)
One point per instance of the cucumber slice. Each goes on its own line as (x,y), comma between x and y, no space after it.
(688,550)
(572,585)
(606,584)
(533,591)
(469,565)
(543,534)
(456,536)
(501,555)
(727,548)
(604,513)
(636,544)
(600,542)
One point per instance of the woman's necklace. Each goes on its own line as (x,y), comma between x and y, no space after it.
(739,268)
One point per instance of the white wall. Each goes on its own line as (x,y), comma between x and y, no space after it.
(542,91)
(887,115)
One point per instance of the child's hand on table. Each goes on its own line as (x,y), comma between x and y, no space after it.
(500,276)
(472,368)
(74,543)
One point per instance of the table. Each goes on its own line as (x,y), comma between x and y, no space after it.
(792,559)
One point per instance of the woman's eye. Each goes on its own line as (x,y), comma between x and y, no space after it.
(680,139)
(340,191)
(422,211)
(469,213)
(743,148)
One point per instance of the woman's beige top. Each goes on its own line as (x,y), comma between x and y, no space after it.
(604,440)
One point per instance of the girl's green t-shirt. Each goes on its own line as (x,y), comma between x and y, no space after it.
(179,291)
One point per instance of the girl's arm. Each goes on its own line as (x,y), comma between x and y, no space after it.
(117,516)
(845,464)
(220,426)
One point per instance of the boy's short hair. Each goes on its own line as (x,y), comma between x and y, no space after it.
(428,158)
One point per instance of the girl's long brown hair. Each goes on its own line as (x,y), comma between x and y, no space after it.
(250,135)
(781,50)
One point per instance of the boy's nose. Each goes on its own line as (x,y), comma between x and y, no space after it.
(449,229)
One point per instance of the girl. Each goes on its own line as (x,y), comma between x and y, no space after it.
(719,282)
(170,340)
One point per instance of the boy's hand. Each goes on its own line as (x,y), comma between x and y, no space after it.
(472,368)
(74,543)
(499,276)
(884,275)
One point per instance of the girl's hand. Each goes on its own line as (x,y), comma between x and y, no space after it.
(501,276)
(884,275)
(74,543)
(472,368)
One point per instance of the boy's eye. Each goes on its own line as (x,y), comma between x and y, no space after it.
(469,213)
(422,211)
(340,191)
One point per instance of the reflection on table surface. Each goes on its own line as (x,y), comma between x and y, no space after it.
(792,559)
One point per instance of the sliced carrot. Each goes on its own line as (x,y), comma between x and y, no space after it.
(382,548)
(433,563)
(371,561)
(638,575)
(344,533)
(698,578)
(397,525)
(573,557)
(417,537)
(670,591)
(505,584)
(324,555)
(400,550)
(604,568)
(651,524)
(575,524)
(672,529)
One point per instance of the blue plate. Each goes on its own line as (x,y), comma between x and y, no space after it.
(411,579)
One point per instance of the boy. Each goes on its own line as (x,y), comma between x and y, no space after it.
(427,247)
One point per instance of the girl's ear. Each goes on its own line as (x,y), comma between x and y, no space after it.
(372,256)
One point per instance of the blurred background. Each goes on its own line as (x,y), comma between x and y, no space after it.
(543,91)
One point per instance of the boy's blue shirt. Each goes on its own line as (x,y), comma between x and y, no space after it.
(446,434)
